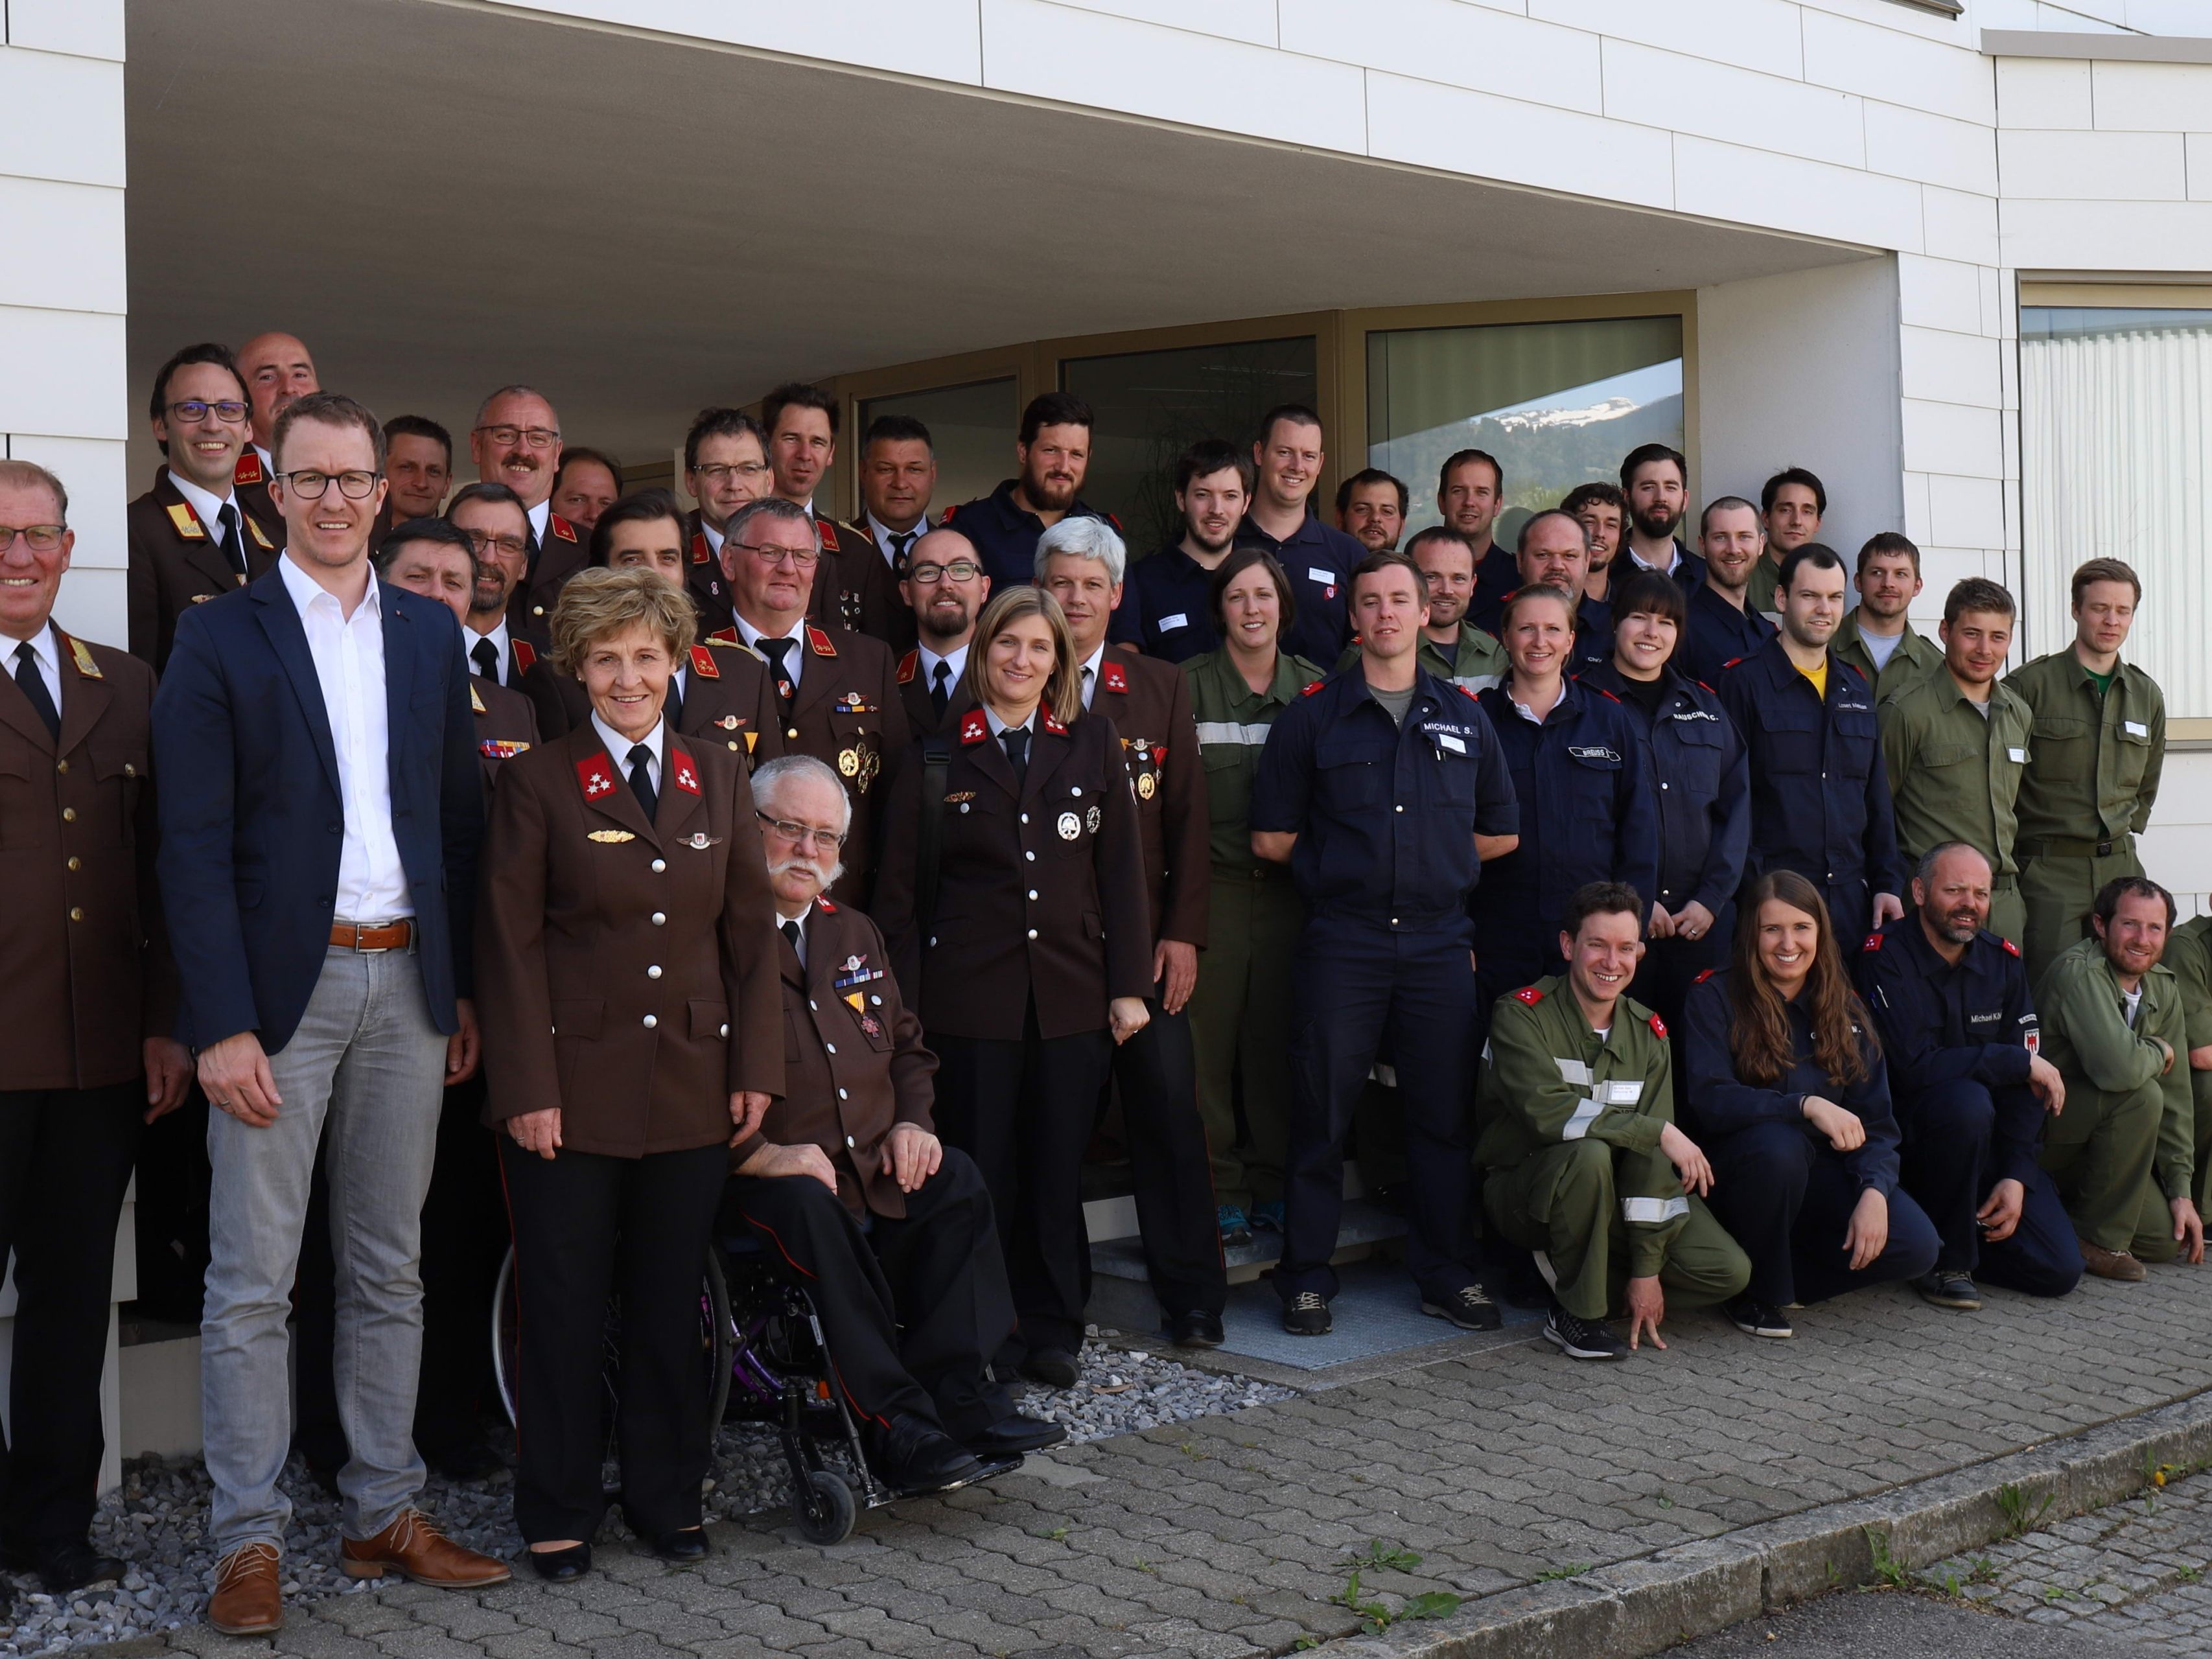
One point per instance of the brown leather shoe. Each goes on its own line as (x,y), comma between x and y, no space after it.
(413,1547)
(249,1600)
(2111,1264)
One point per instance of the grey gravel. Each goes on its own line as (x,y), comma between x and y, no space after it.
(156,1520)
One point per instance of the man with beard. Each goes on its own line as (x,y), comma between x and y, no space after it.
(1877,638)
(2122,1154)
(944,587)
(725,465)
(1053,454)
(1371,508)
(1970,1086)
(1791,504)
(1166,612)
(1552,551)
(586,484)
(1452,647)
(1721,625)
(1956,745)
(1470,494)
(1602,511)
(1819,793)
(498,647)
(1656,479)
(1287,463)
(516,441)
(278,373)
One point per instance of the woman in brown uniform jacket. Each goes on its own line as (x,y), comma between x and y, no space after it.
(1038,957)
(630,1010)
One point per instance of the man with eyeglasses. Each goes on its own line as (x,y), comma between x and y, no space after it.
(278,373)
(500,647)
(836,693)
(724,467)
(191,537)
(898,475)
(516,441)
(944,588)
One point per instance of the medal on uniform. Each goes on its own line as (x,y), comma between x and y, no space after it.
(729,722)
(1144,785)
(1091,820)
(870,1024)
(849,763)
(698,840)
(1070,826)
(611,837)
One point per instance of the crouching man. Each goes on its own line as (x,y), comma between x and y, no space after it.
(1582,1162)
(845,1183)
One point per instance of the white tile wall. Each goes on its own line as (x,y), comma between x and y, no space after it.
(1911,144)
(1757,186)
(2119,236)
(93,472)
(65,245)
(2198,164)
(1752,35)
(61,116)
(2094,165)
(1958,225)
(1718,100)
(1880,62)
(1939,294)
(1950,368)
(941,39)
(1458,130)
(84,28)
(1252,20)
(2043,92)
(1447,40)
(2152,97)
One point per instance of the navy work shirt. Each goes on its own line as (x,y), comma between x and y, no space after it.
(1386,814)
(1320,562)
(1164,610)
(1005,535)
(1695,770)
(1717,633)
(1974,1023)
(1593,626)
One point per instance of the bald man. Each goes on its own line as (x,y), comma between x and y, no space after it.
(944,587)
(278,371)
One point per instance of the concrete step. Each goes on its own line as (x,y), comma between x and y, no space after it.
(1121,1293)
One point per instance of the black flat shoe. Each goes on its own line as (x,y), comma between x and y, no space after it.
(1054,1367)
(77,1566)
(913,1457)
(684,1548)
(559,1566)
(1013,1436)
(1195,1329)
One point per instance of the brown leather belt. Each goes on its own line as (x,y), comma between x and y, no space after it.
(387,936)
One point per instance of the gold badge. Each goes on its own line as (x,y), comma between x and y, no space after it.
(81,653)
(849,763)
(1144,785)
(476,702)
(1070,826)
(613,834)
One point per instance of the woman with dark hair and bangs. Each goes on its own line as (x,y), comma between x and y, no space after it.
(1789,1096)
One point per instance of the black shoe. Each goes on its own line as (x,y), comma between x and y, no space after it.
(77,1566)
(1582,1339)
(1054,1367)
(1757,1318)
(1469,1307)
(914,1456)
(1945,1287)
(1195,1329)
(559,1566)
(1306,1313)
(1015,1436)
(685,1546)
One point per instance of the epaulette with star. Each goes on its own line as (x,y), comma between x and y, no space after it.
(1529,995)
(1873,942)
(557,526)
(248,469)
(974,728)
(1658,1026)
(1113,677)
(1051,721)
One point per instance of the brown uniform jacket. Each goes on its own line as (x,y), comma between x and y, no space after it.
(175,564)
(914,691)
(1149,702)
(249,482)
(727,701)
(854,588)
(506,725)
(848,714)
(628,969)
(854,1063)
(565,550)
(703,579)
(83,949)
(1040,891)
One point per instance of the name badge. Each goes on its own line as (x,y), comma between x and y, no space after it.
(1326,578)
(1179,620)
(1622,1094)
(1445,740)
(2019,756)
(2135,728)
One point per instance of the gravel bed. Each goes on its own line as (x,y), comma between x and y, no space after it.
(156,1519)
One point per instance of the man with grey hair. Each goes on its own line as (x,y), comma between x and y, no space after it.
(516,441)
(1552,551)
(836,693)
(914,1306)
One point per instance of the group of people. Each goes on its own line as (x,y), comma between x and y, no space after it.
(542,865)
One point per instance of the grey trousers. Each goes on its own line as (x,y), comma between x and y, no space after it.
(366,1067)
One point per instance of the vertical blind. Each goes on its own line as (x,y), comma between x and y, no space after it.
(2116,462)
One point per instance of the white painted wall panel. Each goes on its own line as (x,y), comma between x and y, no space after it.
(94,472)
(83,28)
(1752,35)
(2094,165)
(2119,236)
(2152,97)
(1878,61)
(1911,144)
(941,39)
(1958,224)
(2043,92)
(1720,102)
(1250,20)
(60,117)
(1475,133)
(1449,41)
(1939,294)
(1754,186)
(1950,368)
(65,245)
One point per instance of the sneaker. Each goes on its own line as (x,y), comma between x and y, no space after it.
(1236,1230)
(1581,1339)
(1945,1287)
(1469,1307)
(1306,1313)
(1267,1217)
(1757,1318)
(2111,1264)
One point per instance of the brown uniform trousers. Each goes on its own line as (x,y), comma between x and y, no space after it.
(1157,1070)
(564,551)
(725,701)
(175,564)
(847,714)
(88,977)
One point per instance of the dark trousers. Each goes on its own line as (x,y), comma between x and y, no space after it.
(1671,966)
(1173,1177)
(1946,1168)
(1023,1112)
(65,1159)
(1358,984)
(1785,1196)
(586,1226)
(914,1308)
(170,1215)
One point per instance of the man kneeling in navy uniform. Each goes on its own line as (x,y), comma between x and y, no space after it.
(847,1184)
(1950,1002)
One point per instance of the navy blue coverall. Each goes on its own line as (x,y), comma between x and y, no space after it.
(1319,561)
(1005,536)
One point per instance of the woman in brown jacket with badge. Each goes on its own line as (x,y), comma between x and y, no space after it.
(631,1010)
(1036,956)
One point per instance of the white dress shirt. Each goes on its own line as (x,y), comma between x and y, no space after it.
(45,651)
(1673,561)
(349,655)
(210,507)
(1089,672)
(882,534)
(618,747)
(957,660)
(794,661)
(783,921)
(714,537)
(539,516)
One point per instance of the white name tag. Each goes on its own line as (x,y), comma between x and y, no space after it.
(2135,728)
(1445,739)
(1623,1094)
(2019,756)
(1179,620)
(1326,578)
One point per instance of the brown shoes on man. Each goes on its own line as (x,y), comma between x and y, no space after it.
(249,1600)
(413,1547)
(2111,1264)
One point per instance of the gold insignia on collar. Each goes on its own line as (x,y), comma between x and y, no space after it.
(186,521)
(81,653)
(612,835)
(475,702)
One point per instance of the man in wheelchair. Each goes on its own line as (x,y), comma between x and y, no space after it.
(847,1188)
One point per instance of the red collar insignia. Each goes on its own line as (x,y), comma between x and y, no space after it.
(700,554)
(945,517)
(687,779)
(1702,977)
(818,642)
(597,775)
(1051,723)
(556,524)
(726,636)
(526,655)
(248,470)
(1731,662)
(1529,994)
(829,534)
(828,908)
(1315,687)
(1658,1026)
(910,665)
(1112,677)
(974,728)
(1873,942)
(2008,945)
(1464,692)
(703,664)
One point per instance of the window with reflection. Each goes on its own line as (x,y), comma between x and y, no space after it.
(971,428)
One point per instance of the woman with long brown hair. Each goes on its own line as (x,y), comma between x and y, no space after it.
(1788,1096)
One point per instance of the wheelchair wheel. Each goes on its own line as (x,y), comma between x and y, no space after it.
(824,1509)
(717,1338)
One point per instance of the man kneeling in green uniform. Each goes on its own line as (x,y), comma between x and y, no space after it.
(2189,953)
(2123,1153)
(1582,1162)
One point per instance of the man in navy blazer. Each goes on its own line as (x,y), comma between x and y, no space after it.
(319,864)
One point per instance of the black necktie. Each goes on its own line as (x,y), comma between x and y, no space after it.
(900,543)
(671,706)
(486,655)
(34,687)
(640,780)
(1087,685)
(1018,752)
(778,652)
(791,932)
(233,548)
(941,686)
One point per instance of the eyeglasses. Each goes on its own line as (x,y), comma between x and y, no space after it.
(42,538)
(310,486)
(537,437)
(804,558)
(960,570)
(195,409)
(822,841)
(482,542)
(715,472)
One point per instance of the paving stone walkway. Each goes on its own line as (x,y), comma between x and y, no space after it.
(1227,1536)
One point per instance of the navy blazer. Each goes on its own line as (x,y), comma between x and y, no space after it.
(252,822)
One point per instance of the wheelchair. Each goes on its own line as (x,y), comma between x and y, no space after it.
(762,1347)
